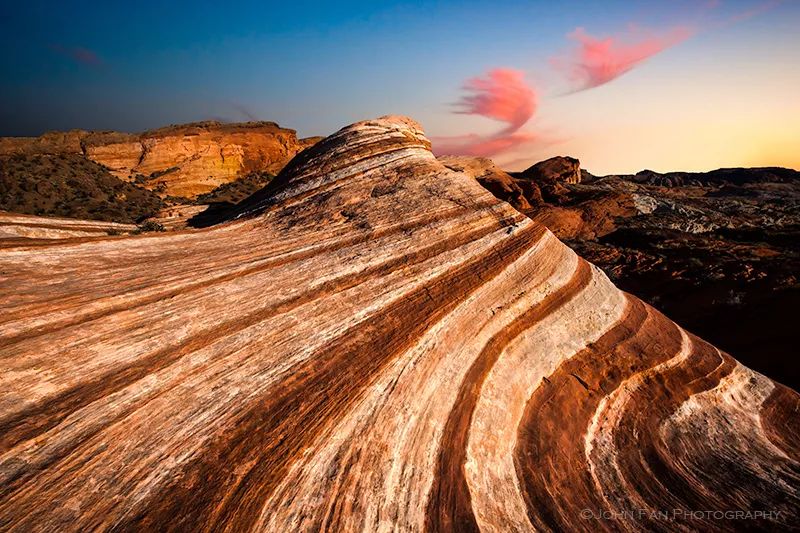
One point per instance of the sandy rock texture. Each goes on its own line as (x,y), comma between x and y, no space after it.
(373,342)
(177,217)
(25,228)
(494,179)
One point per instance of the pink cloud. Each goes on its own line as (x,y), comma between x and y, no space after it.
(502,95)
(596,61)
(78,54)
(753,11)
(481,146)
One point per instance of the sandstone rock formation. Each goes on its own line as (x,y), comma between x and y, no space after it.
(374,342)
(710,249)
(17,229)
(495,180)
(177,217)
(556,169)
(186,160)
(52,143)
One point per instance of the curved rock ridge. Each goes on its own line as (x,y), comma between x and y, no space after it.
(495,180)
(375,343)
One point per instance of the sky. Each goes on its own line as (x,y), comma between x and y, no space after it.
(623,85)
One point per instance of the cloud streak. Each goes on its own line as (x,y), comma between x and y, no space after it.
(503,95)
(595,61)
(756,10)
(79,55)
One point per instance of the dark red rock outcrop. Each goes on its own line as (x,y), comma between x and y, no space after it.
(710,249)
(556,169)
(374,342)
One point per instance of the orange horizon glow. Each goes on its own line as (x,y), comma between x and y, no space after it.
(722,92)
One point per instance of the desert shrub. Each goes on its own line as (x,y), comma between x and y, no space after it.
(148,226)
(70,185)
(236,191)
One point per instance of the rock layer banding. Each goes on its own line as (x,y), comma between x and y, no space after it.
(373,342)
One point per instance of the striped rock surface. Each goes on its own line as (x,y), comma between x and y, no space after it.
(375,343)
(28,227)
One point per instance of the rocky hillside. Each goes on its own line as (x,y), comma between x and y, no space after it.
(711,249)
(373,342)
(69,185)
(185,160)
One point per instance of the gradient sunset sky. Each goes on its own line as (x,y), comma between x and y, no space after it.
(622,85)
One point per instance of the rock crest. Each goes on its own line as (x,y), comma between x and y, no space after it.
(374,342)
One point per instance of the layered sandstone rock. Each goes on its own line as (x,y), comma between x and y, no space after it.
(186,160)
(374,342)
(55,142)
(546,194)
(495,180)
(16,229)
(177,217)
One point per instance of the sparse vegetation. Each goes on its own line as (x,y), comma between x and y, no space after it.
(236,191)
(159,173)
(149,226)
(69,185)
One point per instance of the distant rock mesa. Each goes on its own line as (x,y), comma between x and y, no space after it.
(373,342)
(186,160)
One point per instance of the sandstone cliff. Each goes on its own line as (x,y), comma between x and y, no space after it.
(186,160)
(373,342)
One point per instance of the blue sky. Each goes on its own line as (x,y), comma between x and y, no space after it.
(317,66)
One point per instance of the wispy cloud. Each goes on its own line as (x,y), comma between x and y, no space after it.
(503,95)
(594,61)
(753,11)
(79,55)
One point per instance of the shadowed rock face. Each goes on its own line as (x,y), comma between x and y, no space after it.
(495,180)
(373,342)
